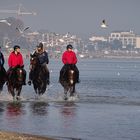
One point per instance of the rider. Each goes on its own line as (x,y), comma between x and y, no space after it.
(43,60)
(69,57)
(2,61)
(16,59)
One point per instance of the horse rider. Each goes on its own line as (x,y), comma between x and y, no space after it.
(16,59)
(2,61)
(69,57)
(43,60)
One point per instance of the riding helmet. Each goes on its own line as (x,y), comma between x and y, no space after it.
(69,46)
(16,47)
(40,45)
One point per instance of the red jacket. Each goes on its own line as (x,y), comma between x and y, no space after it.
(15,59)
(69,57)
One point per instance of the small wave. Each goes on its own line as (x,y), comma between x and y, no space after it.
(60,98)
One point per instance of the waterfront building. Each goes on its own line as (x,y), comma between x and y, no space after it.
(125,37)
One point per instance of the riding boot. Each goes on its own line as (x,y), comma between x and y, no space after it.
(77,74)
(78,81)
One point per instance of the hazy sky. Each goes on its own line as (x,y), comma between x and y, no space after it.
(80,17)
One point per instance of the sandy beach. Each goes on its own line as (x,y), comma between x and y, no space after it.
(18,136)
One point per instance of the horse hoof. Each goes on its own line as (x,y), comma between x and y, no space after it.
(18,98)
(65,98)
(14,99)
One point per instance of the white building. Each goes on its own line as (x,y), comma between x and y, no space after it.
(97,38)
(138,42)
(127,38)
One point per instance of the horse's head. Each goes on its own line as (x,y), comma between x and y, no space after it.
(19,74)
(71,76)
(34,61)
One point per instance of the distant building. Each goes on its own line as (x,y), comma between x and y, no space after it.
(126,38)
(97,38)
(138,42)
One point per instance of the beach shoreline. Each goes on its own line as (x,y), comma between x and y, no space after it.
(6,135)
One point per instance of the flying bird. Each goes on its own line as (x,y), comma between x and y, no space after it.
(103,24)
(21,31)
(26,28)
(5,21)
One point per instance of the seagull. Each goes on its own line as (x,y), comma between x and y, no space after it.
(5,21)
(26,28)
(21,31)
(103,24)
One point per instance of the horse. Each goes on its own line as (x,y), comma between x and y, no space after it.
(38,75)
(3,77)
(68,81)
(15,81)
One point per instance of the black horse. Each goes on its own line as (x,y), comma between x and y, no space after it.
(38,75)
(3,77)
(15,81)
(68,80)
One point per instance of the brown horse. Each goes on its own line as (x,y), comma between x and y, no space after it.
(68,81)
(38,75)
(15,81)
(2,77)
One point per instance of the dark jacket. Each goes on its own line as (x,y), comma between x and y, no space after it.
(43,57)
(1,59)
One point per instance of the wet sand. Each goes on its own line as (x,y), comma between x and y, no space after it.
(18,136)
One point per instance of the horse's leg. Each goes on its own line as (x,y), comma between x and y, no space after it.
(18,93)
(42,86)
(65,93)
(39,89)
(72,90)
(11,90)
(1,87)
(35,87)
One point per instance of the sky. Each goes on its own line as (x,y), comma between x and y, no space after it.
(79,17)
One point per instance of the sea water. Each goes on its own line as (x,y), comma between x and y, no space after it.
(107,106)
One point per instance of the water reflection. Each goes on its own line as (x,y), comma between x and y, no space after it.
(39,108)
(69,109)
(14,109)
(1,108)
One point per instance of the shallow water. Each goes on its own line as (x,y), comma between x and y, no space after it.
(108,107)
